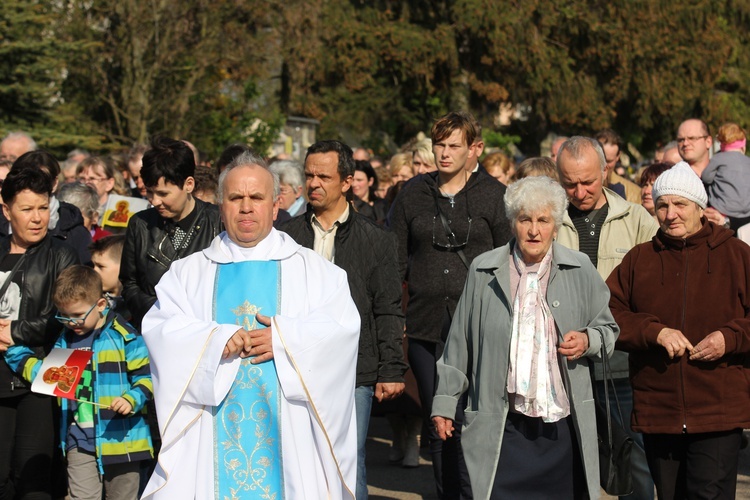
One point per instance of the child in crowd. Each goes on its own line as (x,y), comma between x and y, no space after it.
(105,255)
(105,436)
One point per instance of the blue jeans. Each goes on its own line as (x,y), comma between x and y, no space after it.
(362,406)
(643,484)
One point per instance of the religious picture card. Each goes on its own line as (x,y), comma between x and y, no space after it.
(60,372)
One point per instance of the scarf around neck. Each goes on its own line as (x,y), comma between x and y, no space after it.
(535,384)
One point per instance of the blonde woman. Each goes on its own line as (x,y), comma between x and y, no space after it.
(499,166)
(401,167)
(423,160)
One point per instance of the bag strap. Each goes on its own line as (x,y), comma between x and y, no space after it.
(449,232)
(607,375)
(13,272)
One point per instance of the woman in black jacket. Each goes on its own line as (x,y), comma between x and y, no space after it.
(176,226)
(65,220)
(30,261)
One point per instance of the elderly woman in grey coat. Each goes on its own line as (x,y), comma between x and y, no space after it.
(532,315)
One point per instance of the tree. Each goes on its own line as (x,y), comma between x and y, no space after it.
(32,69)
(163,67)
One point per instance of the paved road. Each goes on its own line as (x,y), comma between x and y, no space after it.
(386,481)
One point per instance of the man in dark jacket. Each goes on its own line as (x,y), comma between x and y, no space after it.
(369,256)
(176,226)
(442,221)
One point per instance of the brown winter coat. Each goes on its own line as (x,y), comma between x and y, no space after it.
(698,285)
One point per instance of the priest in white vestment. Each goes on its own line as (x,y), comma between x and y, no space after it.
(253,346)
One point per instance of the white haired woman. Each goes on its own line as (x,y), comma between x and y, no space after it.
(531,315)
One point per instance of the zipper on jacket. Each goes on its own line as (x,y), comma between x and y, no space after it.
(682,329)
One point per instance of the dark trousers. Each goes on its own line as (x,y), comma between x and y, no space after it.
(451,475)
(694,466)
(27,442)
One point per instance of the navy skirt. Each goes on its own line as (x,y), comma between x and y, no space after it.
(539,461)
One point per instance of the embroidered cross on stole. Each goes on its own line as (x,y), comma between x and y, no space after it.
(247,431)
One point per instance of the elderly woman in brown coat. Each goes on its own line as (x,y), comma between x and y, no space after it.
(682,301)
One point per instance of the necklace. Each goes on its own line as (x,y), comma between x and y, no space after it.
(451,199)
(452,196)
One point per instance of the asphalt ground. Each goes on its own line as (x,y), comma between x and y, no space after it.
(386,481)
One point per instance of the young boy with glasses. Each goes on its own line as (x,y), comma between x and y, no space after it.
(104,432)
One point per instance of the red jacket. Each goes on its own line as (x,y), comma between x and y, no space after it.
(698,285)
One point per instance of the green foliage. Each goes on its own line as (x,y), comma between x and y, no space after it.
(233,121)
(496,139)
(32,69)
(112,72)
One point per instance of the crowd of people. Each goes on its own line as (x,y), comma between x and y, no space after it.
(245,326)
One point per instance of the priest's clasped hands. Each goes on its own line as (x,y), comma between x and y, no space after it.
(255,343)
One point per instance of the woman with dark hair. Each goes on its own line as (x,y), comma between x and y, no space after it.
(30,261)
(65,220)
(647,179)
(176,226)
(364,185)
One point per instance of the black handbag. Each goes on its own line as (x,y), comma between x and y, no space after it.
(615,474)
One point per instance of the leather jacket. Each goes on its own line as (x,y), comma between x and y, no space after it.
(148,253)
(36,326)
(369,256)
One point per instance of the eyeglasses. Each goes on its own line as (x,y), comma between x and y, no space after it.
(91,179)
(75,321)
(692,138)
(441,239)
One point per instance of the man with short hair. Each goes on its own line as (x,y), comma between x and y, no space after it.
(253,344)
(694,143)
(668,153)
(472,162)
(605,227)
(369,256)
(361,154)
(556,146)
(15,144)
(442,221)
(612,146)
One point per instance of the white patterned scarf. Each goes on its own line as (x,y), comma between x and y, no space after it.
(535,384)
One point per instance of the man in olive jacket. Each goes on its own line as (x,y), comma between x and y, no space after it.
(605,227)
(369,256)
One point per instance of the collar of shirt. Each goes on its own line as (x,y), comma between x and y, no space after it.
(323,244)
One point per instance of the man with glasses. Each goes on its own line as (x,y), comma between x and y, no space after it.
(605,227)
(611,145)
(442,220)
(368,255)
(694,143)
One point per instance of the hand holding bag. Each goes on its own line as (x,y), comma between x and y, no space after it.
(615,475)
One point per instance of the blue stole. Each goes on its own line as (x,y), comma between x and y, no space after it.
(247,438)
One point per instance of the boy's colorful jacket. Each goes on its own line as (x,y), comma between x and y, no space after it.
(120,368)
